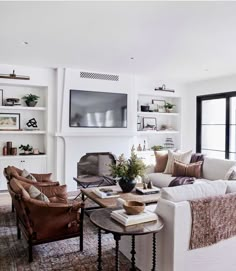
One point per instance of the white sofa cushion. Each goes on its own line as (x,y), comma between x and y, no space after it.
(194,191)
(160,180)
(215,169)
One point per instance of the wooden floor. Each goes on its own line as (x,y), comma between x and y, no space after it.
(5,199)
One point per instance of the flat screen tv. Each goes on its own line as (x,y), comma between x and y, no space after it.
(98,109)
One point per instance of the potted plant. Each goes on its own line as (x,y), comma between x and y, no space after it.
(157,148)
(26,148)
(126,171)
(31,99)
(169,107)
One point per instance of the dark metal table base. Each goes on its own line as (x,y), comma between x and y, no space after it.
(117,238)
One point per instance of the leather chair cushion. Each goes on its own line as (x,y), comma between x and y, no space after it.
(56,194)
(42,177)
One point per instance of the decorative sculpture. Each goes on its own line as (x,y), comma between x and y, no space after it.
(32,123)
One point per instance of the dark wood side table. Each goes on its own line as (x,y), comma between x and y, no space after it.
(101,218)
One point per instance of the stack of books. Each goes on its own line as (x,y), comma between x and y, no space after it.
(128,220)
(148,190)
(104,193)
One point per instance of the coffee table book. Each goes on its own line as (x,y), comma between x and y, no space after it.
(128,220)
(147,191)
(106,193)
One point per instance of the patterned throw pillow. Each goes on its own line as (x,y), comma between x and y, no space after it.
(28,176)
(183,157)
(36,194)
(187,170)
(231,173)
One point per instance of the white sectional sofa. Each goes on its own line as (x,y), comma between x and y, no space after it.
(173,252)
(213,169)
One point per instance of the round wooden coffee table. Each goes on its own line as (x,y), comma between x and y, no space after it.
(101,218)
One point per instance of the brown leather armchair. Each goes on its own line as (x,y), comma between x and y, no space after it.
(42,179)
(60,219)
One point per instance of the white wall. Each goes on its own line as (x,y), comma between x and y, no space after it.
(73,143)
(190,92)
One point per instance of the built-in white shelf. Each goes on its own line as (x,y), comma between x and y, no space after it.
(17,108)
(2,157)
(22,132)
(159,94)
(98,133)
(157,132)
(140,113)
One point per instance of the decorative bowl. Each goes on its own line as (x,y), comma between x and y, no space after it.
(133,207)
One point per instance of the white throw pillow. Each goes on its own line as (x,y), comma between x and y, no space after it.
(194,191)
(27,175)
(183,157)
(36,194)
(231,173)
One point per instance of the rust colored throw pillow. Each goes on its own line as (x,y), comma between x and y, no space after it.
(161,160)
(188,170)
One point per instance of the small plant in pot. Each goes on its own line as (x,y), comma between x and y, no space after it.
(26,148)
(169,107)
(126,171)
(31,99)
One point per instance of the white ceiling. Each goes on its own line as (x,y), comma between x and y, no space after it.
(176,40)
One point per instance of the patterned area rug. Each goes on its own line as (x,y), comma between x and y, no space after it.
(60,255)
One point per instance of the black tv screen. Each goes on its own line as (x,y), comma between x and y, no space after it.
(98,109)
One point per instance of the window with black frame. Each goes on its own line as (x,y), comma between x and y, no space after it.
(216,125)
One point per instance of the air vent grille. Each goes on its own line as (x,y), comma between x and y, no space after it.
(99,76)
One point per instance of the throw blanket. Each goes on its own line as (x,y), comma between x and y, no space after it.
(181,181)
(213,220)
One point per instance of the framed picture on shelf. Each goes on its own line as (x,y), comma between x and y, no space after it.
(149,123)
(10,121)
(160,105)
(1,97)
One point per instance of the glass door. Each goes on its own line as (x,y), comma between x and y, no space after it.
(213,127)
(216,125)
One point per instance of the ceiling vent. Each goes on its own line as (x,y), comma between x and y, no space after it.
(99,76)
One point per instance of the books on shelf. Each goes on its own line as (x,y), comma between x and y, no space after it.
(106,193)
(127,220)
(148,191)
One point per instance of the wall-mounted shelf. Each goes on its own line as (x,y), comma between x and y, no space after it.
(17,108)
(156,132)
(23,132)
(21,156)
(140,113)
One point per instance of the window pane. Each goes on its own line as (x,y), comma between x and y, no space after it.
(232,138)
(213,111)
(215,154)
(213,137)
(232,110)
